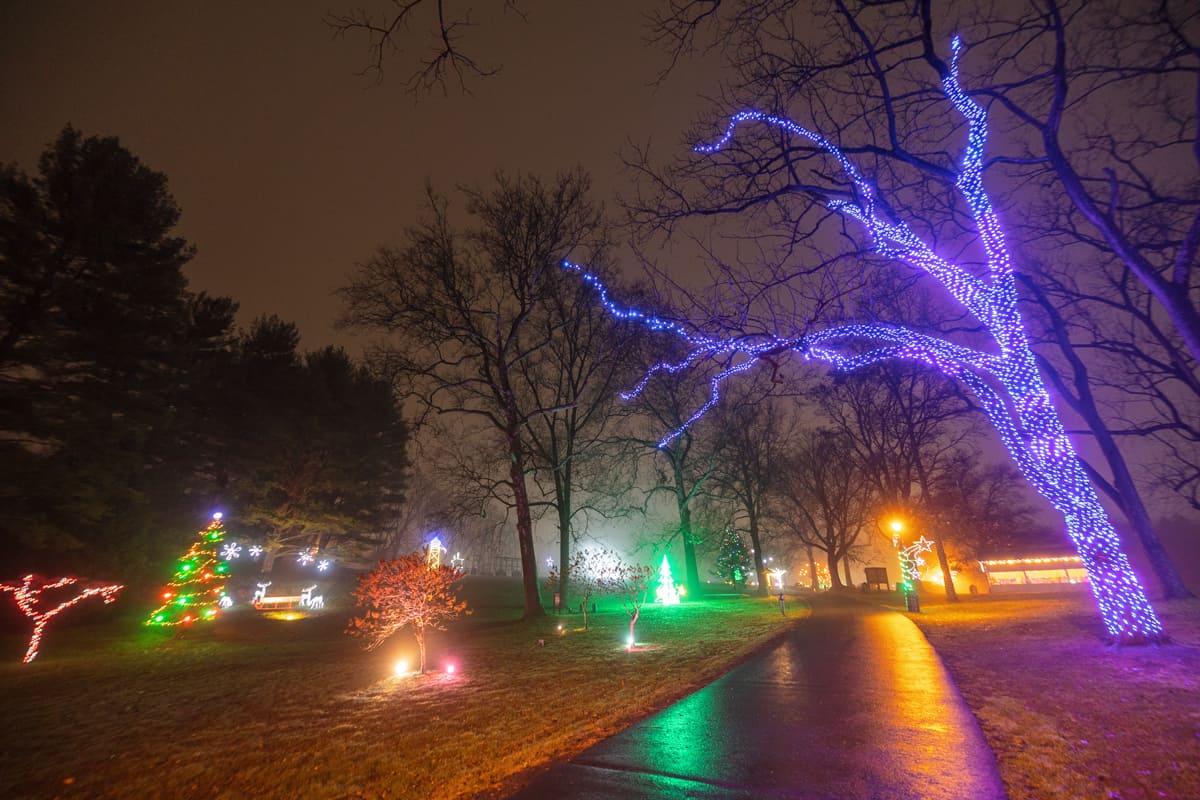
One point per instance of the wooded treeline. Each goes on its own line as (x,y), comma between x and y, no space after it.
(131,407)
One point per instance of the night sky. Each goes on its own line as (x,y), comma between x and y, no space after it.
(288,165)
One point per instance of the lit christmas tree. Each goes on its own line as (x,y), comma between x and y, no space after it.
(198,585)
(733,559)
(666,593)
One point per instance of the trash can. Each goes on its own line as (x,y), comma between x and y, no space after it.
(912,602)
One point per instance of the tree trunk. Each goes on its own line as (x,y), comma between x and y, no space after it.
(633,618)
(758,557)
(1124,490)
(835,579)
(563,493)
(268,560)
(691,571)
(846,567)
(533,602)
(813,583)
(947,578)
(420,634)
(1033,431)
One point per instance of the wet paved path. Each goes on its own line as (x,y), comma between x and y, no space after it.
(853,704)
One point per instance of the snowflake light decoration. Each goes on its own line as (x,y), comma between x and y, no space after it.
(231,550)
(305,558)
(1004,378)
(323,564)
(255,551)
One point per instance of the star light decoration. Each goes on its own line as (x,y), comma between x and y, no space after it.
(28,597)
(231,551)
(911,561)
(1004,378)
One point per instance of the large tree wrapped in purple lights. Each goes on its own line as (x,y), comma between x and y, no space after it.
(1003,376)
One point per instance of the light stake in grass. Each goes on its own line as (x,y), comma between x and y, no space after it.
(28,597)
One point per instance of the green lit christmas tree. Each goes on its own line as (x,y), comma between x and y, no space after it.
(195,591)
(666,593)
(733,558)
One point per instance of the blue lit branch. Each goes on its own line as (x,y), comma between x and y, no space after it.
(1006,382)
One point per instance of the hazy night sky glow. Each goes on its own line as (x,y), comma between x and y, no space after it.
(288,166)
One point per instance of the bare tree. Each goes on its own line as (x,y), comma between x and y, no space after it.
(996,363)
(461,309)
(1077,342)
(1097,105)
(826,496)
(903,425)
(684,466)
(588,355)
(756,433)
(440,29)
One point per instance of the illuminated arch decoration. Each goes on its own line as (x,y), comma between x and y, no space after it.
(1006,381)
(28,598)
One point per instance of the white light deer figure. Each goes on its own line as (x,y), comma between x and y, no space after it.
(260,593)
(1004,378)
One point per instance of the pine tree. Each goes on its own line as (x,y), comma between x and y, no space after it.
(733,559)
(195,592)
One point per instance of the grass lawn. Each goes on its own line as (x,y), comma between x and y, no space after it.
(254,707)
(1066,715)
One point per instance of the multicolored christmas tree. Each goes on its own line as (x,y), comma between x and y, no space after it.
(733,558)
(666,593)
(195,591)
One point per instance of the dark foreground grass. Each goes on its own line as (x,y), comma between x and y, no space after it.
(1066,715)
(264,708)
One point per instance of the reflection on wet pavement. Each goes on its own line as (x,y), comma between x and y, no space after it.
(854,704)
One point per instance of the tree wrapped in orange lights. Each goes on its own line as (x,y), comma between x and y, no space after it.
(28,597)
(406,592)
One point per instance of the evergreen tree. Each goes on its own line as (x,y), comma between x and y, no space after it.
(99,345)
(733,559)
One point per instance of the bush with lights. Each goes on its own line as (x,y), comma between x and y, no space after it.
(410,591)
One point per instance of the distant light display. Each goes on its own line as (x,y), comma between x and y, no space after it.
(1006,381)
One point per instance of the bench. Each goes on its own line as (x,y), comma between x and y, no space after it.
(278,601)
